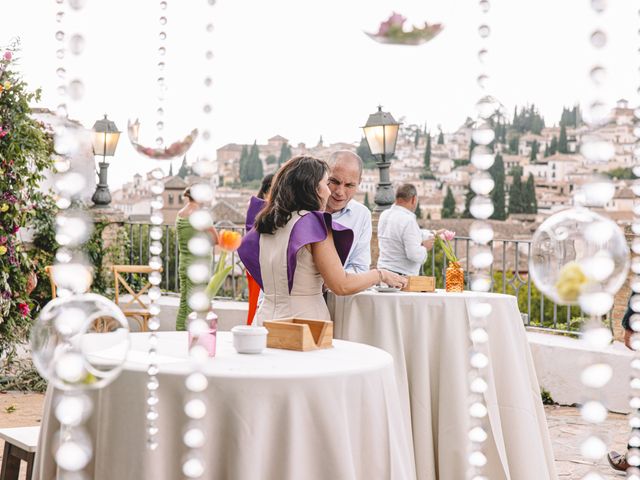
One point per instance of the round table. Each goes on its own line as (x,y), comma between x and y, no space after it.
(428,336)
(325,414)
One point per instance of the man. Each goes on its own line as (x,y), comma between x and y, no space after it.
(402,249)
(616,460)
(344,178)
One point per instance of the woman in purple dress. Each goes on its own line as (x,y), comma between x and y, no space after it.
(294,247)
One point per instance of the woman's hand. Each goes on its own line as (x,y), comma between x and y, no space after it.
(393,279)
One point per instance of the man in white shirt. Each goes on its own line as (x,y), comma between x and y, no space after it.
(344,178)
(402,249)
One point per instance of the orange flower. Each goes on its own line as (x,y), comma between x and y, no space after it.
(229,240)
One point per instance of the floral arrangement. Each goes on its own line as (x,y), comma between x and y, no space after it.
(26,150)
(229,241)
(392,31)
(444,240)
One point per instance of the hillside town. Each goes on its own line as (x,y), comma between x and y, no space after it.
(437,163)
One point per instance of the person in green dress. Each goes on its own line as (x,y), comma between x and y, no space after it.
(185,232)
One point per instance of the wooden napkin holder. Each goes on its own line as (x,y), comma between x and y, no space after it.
(420,284)
(299,334)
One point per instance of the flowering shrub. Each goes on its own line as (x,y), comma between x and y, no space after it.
(25,152)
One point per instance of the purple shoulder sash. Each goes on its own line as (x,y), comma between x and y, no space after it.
(311,228)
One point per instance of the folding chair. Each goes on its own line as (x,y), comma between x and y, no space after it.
(135,307)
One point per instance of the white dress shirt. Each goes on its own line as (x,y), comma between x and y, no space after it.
(400,241)
(357,217)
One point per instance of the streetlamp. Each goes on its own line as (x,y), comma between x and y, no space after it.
(105,136)
(381,132)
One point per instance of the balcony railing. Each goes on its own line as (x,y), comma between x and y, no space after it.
(509,274)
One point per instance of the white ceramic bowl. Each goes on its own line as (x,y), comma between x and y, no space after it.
(248,339)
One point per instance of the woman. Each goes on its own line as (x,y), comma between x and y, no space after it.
(185,232)
(265,187)
(294,248)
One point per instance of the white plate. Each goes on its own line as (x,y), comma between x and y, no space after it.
(381,289)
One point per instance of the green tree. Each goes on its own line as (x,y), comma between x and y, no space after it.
(427,157)
(184,169)
(364,153)
(254,169)
(497,194)
(553,146)
(418,212)
(563,146)
(516,197)
(366,200)
(416,139)
(621,173)
(530,201)
(467,203)
(514,144)
(285,153)
(535,149)
(440,138)
(271,159)
(448,205)
(244,159)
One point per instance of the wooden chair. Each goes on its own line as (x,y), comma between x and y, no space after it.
(19,445)
(135,308)
(49,270)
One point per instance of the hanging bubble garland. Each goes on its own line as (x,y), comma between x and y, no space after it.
(481,232)
(581,258)
(63,337)
(202,321)
(633,452)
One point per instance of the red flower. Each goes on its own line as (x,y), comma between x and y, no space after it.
(24,309)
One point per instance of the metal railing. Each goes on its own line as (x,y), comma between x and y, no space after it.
(509,275)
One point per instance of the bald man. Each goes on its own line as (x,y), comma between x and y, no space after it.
(344,179)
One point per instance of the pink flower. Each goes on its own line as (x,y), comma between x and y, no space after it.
(3,132)
(448,235)
(3,240)
(15,229)
(24,309)
(7,56)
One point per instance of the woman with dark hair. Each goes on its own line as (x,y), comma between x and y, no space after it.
(184,232)
(265,187)
(294,247)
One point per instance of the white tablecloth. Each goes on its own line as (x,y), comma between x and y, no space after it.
(428,336)
(327,414)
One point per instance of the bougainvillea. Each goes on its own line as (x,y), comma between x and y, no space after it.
(25,153)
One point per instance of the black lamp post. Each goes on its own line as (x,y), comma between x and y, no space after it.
(381,132)
(105,138)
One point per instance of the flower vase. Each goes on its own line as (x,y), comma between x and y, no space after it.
(207,338)
(455,278)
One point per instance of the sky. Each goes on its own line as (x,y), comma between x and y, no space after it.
(302,68)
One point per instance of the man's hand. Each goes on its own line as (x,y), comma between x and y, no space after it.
(428,244)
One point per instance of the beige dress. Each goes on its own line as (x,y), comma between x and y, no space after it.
(305,299)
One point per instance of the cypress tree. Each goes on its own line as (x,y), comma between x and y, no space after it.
(531,203)
(467,203)
(535,149)
(497,194)
(244,158)
(416,138)
(171,169)
(254,170)
(514,143)
(184,169)
(448,205)
(427,155)
(285,153)
(553,147)
(516,198)
(563,146)
(366,200)
(418,212)
(440,138)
